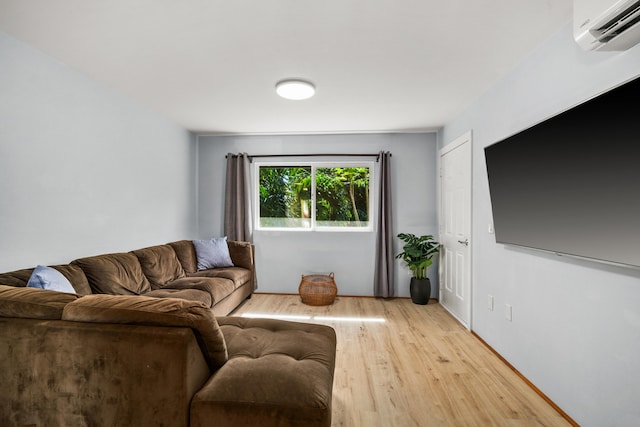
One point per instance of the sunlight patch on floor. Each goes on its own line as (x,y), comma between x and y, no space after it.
(276,316)
(318,318)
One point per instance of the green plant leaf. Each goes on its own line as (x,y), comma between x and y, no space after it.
(417,253)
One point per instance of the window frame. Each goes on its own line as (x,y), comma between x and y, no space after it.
(314,166)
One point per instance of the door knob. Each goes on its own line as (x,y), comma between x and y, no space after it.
(464,242)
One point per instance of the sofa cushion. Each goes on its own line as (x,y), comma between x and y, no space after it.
(212,253)
(115,274)
(76,276)
(16,278)
(44,277)
(159,264)
(32,303)
(186,253)
(189,294)
(219,288)
(143,310)
(238,275)
(73,273)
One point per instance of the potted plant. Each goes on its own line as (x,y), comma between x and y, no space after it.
(417,253)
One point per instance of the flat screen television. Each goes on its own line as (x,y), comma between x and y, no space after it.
(571,184)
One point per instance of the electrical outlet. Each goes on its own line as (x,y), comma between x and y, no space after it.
(508,312)
(490,303)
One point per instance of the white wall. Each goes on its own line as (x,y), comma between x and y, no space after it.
(576,324)
(281,257)
(83,170)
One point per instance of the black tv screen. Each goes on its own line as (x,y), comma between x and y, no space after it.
(571,184)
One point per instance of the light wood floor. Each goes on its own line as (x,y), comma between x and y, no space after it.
(405,365)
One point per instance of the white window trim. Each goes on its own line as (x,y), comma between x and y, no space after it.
(314,165)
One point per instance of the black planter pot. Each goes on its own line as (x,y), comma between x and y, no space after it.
(420,290)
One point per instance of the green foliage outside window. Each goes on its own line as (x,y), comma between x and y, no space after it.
(342,196)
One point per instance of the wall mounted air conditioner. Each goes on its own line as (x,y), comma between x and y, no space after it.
(606,24)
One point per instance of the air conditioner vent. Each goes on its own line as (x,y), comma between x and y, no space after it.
(606,24)
(619,24)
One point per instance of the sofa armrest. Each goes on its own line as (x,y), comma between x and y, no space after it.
(241,254)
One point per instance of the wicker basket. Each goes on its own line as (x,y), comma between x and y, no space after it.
(318,289)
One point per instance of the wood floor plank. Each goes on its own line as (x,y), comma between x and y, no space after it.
(402,364)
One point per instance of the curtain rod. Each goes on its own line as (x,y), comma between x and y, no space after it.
(376,155)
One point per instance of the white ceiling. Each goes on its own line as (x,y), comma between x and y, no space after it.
(211,65)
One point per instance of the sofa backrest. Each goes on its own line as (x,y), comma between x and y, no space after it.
(149,311)
(186,253)
(17,278)
(73,273)
(115,274)
(76,277)
(159,264)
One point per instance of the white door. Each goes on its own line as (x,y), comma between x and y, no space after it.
(455,228)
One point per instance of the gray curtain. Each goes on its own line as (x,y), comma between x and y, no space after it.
(237,201)
(383,278)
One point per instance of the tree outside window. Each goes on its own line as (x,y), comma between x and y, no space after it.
(314,196)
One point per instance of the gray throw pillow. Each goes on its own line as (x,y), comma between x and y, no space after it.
(49,278)
(212,253)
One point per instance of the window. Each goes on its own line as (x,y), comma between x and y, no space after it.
(314,196)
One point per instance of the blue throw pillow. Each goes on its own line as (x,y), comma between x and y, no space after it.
(212,253)
(49,278)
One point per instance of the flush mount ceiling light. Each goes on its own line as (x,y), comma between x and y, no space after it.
(295,89)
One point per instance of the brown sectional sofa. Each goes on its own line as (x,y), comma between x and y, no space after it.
(145,341)
(159,271)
